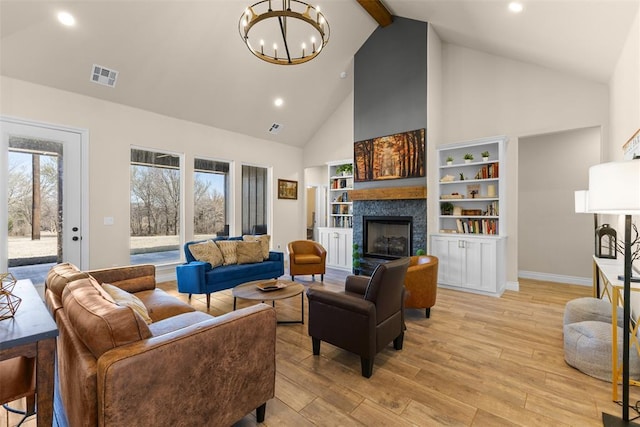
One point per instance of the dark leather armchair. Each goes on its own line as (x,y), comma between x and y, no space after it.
(307,257)
(364,318)
(421,283)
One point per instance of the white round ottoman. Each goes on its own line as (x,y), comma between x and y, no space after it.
(589,308)
(587,347)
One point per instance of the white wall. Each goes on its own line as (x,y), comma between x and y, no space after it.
(434,124)
(486,95)
(334,139)
(551,168)
(114,128)
(625,94)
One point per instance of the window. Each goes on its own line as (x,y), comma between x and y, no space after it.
(155,207)
(254,200)
(210,189)
(34,202)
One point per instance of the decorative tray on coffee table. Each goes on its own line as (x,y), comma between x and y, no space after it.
(270,285)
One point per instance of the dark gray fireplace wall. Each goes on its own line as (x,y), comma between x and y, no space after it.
(390,96)
(390,80)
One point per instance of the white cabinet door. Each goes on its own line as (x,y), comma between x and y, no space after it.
(451,260)
(339,245)
(480,265)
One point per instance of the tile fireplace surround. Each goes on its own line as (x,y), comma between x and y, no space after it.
(415,208)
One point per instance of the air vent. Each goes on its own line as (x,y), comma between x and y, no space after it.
(103,76)
(275,128)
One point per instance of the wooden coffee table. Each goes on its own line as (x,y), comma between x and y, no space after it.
(289,289)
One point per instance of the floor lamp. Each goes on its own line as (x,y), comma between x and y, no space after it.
(614,188)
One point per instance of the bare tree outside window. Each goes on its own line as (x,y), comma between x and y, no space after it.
(210,184)
(155,207)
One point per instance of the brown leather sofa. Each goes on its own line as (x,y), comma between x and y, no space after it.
(184,368)
(307,257)
(421,283)
(364,318)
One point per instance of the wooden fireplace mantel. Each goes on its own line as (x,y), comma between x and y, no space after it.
(389,193)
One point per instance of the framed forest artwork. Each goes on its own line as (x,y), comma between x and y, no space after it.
(390,157)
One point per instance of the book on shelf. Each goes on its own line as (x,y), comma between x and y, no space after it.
(488,171)
(477,226)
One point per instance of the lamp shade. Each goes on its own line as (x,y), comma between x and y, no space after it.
(614,188)
(582,201)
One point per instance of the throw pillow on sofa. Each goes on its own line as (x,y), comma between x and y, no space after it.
(249,252)
(125,299)
(229,251)
(264,242)
(100,323)
(207,252)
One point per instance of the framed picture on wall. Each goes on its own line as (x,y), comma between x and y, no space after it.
(287,189)
(397,156)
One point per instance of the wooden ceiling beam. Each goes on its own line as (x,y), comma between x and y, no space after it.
(378,11)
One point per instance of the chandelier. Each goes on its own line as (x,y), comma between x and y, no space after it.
(294,34)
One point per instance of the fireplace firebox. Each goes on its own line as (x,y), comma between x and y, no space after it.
(387,237)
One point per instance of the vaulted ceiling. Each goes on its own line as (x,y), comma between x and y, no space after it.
(186,59)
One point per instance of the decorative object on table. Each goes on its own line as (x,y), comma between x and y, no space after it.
(468,157)
(606,242)
(397,156)
(485,156)
(420,252)
(9,303)
(270,285)
(287,189)
(449,161)
(614,188)
(279,26)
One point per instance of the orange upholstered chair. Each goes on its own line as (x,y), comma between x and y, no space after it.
(421,283)
(18,380)
(307,257)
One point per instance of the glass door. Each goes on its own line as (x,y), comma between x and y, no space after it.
(42,185)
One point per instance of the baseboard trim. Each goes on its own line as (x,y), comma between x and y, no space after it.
(513,286)
(546,277)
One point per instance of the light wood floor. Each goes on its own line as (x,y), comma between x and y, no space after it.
(478,361)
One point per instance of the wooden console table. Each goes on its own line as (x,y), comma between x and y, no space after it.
(606,283)
(31,332)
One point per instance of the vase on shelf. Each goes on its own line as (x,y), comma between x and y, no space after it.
(467,160)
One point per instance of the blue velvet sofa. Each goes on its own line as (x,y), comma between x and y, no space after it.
(197,277)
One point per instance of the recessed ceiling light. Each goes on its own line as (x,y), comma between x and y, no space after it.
(278,102)
(516,7)
(67,19)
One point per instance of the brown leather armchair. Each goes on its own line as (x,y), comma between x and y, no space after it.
(421,283)
(18,379)
(307,257)
(364,318)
